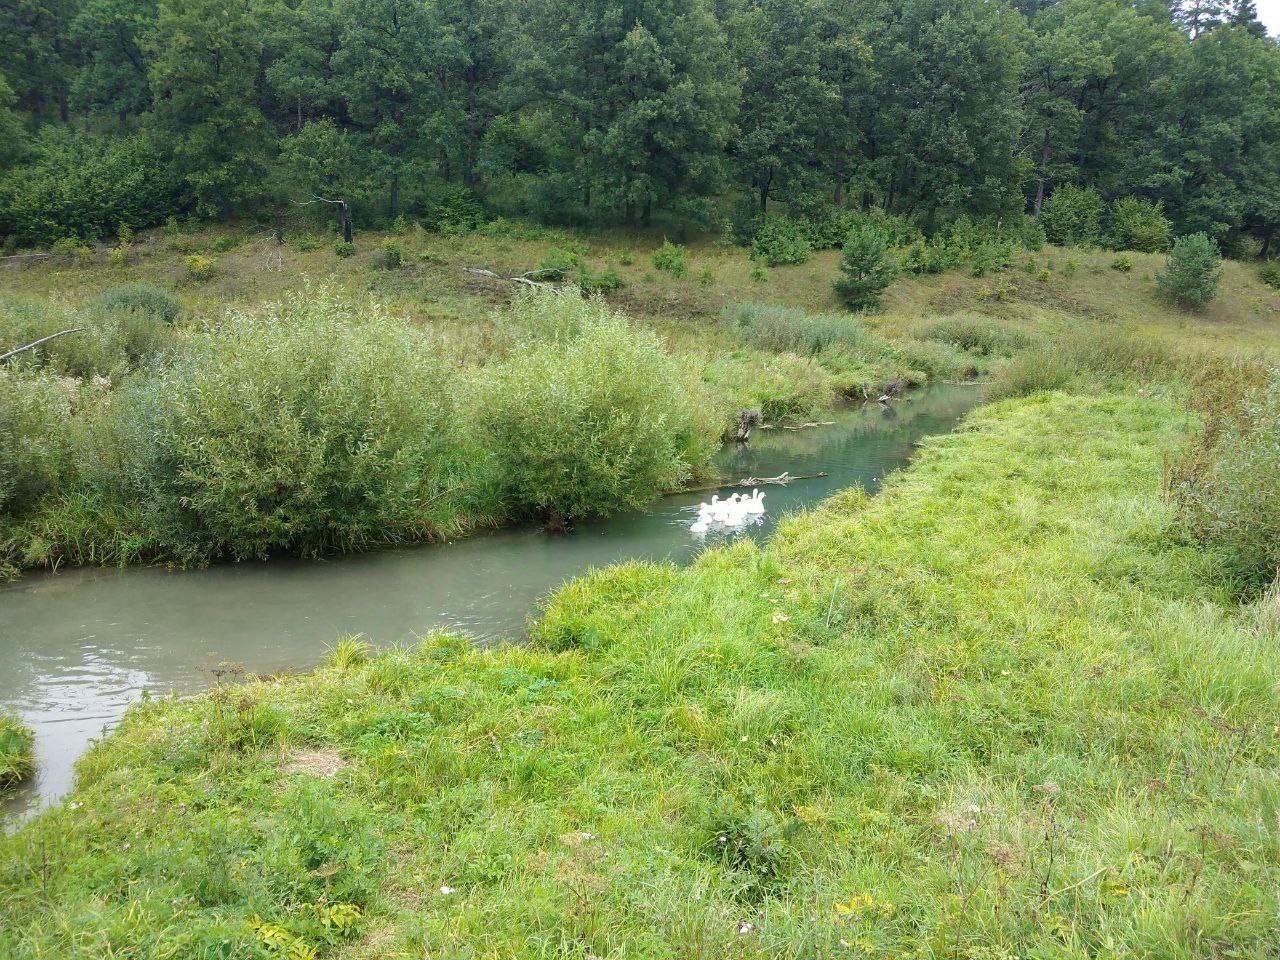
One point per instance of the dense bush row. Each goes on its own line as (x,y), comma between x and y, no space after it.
(313,426)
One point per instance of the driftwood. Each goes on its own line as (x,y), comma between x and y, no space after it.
(797,426)
(532,278)
(781,479)
(35,343)
(892,389)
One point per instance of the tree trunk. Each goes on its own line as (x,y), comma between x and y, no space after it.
(764,196)
(1044,164)
(646,213)
(838,197)
(299,113)
(346,222)
(395,195)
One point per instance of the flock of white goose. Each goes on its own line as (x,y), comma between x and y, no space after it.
(734,512)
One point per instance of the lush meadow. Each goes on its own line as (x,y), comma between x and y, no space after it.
(1023,702)
(1004,708)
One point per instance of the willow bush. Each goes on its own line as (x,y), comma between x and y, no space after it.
(34,438)
(590,420)
(299,428)
(1227,484)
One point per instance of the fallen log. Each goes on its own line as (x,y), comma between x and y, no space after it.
(529,278)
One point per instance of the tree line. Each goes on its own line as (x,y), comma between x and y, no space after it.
(125,112)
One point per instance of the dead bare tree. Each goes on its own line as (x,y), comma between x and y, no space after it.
(344,209)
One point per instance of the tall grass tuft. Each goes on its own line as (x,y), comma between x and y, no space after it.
(975,334)
(17,751)
(793,330)
(1226,483)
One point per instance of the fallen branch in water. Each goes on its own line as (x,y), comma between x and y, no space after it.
(35,343)
(781,479)
(797,426)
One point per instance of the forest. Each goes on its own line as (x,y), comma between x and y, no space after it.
(122,114)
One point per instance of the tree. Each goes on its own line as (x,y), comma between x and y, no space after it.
(1213,156)
(1198,17)
(944,135)
(113,72)
(806,80)
(35,53)
(205,62)
(1191,272)
(867,267)
(1244,13)
(642,95)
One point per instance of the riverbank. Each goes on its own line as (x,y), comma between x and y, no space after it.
(327,424)
(1002,708)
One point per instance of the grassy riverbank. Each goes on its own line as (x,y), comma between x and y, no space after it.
(1002,709)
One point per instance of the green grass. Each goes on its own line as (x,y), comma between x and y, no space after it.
(1003,709)
(17,751)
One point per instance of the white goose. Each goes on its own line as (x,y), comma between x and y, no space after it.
(754,503)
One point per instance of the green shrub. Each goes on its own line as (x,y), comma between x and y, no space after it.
(936,360)
(558,264)
(86,186)
(589,423)
(1231,495)
(17,751)
(670,258)
(104,344)
(991,256)
(344,249)
(974,334)
(200,267)
(226,242)
(35,438)
(71,250)
(1192,271)
(605,282)
(782,386)
(1269,273)
(1072,216)
(141,298)
(389,256)
(309,426)
(780,241)
(866,267)
(928,257)
(1122,263)
(1137,224)
(305,243)
(793,330)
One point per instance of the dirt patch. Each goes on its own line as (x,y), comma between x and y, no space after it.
(315,763)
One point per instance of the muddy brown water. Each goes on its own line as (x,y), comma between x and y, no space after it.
(77,647)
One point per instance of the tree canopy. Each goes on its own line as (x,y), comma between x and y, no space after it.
(617,111)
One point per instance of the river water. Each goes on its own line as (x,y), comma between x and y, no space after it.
(78,646)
